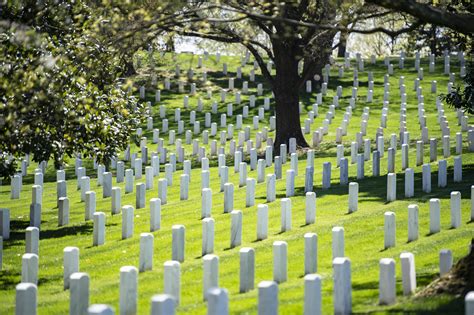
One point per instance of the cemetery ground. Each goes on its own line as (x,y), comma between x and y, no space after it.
(363,229)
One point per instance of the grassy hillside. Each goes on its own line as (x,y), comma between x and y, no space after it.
(363,229)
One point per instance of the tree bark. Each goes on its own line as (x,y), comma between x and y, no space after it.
(287,118)
(461,22)
(433,41)
(169,45)
(341,49)
(128,67)
(286,89)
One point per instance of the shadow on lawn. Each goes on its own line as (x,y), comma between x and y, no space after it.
(376,187)
(455,305)
(17,234)
(9,279)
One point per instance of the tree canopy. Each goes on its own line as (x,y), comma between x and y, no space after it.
(462,97)
(64,86)
(61,91)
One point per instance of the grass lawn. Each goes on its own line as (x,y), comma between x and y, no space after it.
(364,229)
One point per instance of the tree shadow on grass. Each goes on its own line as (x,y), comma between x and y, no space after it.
(67,231)
(376,187)
(9,279)
(452,306)
(371,285)
(50,174)
(17,235)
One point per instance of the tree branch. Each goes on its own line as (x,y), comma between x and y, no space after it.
(390,33)
(461,22)
(261,63)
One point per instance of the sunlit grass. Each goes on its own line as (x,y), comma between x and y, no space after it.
(363,229)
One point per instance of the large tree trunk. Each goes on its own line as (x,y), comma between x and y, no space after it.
(129,69)
(286,90)
(169,45)
(341,49)
(319,65)
(433,41)
(287,118)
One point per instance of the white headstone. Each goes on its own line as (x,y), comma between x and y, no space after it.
(228,197)
(32,240)
(217,301)
(312,295)
(70,264)
(353,196)
(172,280)
(79,291)
(146,252)
(155,214)
(310,208)
(178,242)
(207,236)
(100,309)
(407,261)
(455,203)
(236,228)
(162,304)
(26,299)
(280,261)
(99,228)
(162,190)
(337,242)
(63,211)
(310,253)
(267,298)
(247,269)
(342,285)
(445,261)
(210,274)
(391,187)
(435,215)
(127,222)
(469,303)
(387,281)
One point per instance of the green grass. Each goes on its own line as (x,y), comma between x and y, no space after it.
(363,229)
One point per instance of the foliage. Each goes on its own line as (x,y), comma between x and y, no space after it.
(463,98)
(64,61)
(379,43)
(296,37)
(60,88)
(437,39)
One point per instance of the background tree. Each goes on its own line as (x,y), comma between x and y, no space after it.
(368,40)
(64,87)
(463,97)
(300,36)
(457,15)
(60,92)
(438,39)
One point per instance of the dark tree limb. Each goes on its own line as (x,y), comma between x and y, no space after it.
(390,33)
(279,23)
(461,22)
(260,62)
